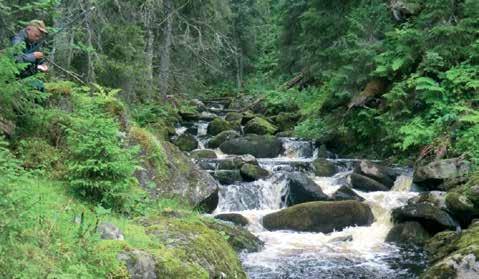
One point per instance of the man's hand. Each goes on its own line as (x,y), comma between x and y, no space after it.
(38,55)
(43,68)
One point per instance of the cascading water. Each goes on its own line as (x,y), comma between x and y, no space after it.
(355,252)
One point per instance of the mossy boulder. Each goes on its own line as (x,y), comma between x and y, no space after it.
(251,172)
(186,142)
(202,248)
(190,115)
(167,173)
(217,140)
(454,255)
(302,189)
(260,126)
(408,233)
(324,217)
(286,121)
(239,238)
(256,145)
(234,117)
(234,218)
(203,154)
(218,125)
(247,116)
(227,177)
(432,218)
(434,174)
(462,208)
(323,167)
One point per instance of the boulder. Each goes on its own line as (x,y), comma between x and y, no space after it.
(203,154)
(432,175)
(234,117)
(236,162)
(346,194)
(436,198)
(140,265)
(323,167)
(238,237)
(217,140)
(461,208)
(383,175)
(227,177)
(200,106)
(366,184)
(286,121)
(109,231)
(440,245)
(252,172)
(324,217)
(189,115)
(217,126)
(207,116)
(302,189)
(408,233)
(247,116)
(258,146)
(432,218)
(260,126)
(186,142)
(234,218)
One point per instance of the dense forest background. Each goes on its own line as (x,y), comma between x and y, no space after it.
(395,80)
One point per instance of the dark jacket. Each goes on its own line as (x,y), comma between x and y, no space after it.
(27,55)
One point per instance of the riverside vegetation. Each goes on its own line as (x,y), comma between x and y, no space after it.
(96,182)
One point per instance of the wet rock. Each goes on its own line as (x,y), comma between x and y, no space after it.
(432,218)
(252,172)
(186,142)
(323,167)
(247,116)
(383,175)
(441,245)
(206,165)
(366,184)
(209,204)
(258,146)
(408,233)
(227,177)
(217,126)
(260,126)
(342,239)
(236,162)
(324,217)
(233,117)
(189,115)
(109,231)
(436,198)
(346,194)
(302,189)
(207,116)
(461,208)
(238,237)
(234,218)
(200,106)
(217,140)
(140,265)
(432,175)
(203,154)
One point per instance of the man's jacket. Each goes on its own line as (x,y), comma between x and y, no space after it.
(27,56)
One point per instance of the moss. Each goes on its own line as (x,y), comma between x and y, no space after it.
(260,126)
(60,88)
(218,125)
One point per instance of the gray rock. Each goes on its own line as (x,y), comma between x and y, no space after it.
(377,172)
(258,146)
(236,162)
(203,154)
(366,184)
(408,233)
(346,194)
(323,167)
(109,231)
(234,218)
(140,265)
(324,217)
(217,140)
(302,189)
(252,172)
(432,218)
(432,175)
(227,177)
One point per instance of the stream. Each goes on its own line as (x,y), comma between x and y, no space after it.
(355,252)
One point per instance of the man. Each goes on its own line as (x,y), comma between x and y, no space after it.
(32,36)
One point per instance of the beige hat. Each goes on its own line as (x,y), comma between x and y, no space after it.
(39,24)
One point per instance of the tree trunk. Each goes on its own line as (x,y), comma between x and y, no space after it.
(89,32)
(165,55)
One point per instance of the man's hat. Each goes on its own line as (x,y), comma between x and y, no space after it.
(39,24)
